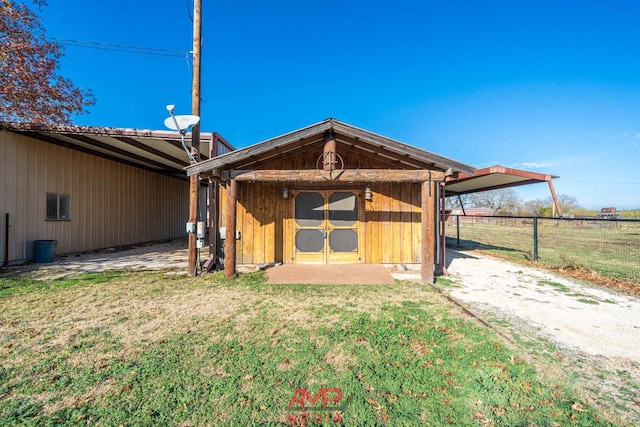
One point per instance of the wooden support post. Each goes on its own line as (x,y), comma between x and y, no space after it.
(428,235)
(212,262)
(329,152)
(556,203)
(441,268)
(230,238)
(6,240)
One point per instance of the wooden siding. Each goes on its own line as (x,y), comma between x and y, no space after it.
(111,204)
(391,232)
(260,219)
(392,224)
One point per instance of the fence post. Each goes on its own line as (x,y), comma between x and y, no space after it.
(458,231)
(535,238)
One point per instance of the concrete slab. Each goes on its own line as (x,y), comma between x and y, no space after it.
(330,274)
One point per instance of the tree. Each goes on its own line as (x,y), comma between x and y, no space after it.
(567,203)
(31,90)
(453,202)
(502,201)
(536,207)
(540,207)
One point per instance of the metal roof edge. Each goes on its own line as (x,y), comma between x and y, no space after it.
(330,123)
(95,130)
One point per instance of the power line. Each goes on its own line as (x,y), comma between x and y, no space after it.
(189,9)
(600,182)
(615,6)
(118,47)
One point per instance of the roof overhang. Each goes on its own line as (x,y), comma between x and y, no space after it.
(493,178)
(395,154)
(156,151)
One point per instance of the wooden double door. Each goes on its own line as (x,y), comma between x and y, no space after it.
(327,227)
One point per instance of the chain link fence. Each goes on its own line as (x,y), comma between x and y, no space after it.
(608,246)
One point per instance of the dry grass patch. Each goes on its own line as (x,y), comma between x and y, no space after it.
(169,350)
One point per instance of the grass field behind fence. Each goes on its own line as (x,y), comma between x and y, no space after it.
(148,348)
(611,248)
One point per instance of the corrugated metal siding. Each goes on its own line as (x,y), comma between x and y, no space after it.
(111,203)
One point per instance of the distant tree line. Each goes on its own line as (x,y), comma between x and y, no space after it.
(507,202)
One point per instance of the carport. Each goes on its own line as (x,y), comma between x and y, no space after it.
(495,178)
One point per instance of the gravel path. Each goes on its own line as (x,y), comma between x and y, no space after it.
(579,335)
(596,321)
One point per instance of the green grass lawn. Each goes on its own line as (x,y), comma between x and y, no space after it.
(151,348)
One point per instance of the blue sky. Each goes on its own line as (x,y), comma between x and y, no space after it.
(548,86)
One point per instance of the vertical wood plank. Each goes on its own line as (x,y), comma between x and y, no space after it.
(376,226)
(246,207)
(396,238)
(416,221)
(258,223)
(405,223)
(270,206)
(278,224)
(428,218)
(385,223)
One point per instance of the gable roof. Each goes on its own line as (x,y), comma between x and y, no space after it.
(398,155)
(156,151)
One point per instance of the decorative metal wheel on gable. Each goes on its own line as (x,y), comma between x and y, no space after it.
(332,162)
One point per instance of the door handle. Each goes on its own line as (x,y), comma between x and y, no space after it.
(324,234)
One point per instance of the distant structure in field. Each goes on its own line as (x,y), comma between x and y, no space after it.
(608,213)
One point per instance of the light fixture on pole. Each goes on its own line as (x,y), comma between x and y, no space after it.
(368,194)
(182,124)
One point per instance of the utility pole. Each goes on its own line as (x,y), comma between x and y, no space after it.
(194,183)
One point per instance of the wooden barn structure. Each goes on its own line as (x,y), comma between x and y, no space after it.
(329,193)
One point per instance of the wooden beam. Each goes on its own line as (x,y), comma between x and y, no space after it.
(428,222)
(383,153)
(379,160)
(230,222)
(258,149)
(173,173)
(116,150)
(151,150)
(347,175)
(401,148)
(556,203)
(280,154)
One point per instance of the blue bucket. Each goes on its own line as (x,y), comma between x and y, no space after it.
(44,250)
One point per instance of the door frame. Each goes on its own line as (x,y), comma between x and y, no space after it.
(326,258)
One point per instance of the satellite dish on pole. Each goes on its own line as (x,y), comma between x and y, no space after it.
(181,124)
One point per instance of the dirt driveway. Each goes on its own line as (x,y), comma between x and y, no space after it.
(592,331)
